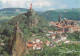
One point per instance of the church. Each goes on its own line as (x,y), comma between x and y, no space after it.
(65,26)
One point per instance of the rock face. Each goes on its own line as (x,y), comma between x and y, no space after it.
(30,18)
(33,19)
(17,44)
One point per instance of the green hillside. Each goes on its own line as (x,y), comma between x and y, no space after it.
(51,15)
(17,26)
(12,11)
(29,23)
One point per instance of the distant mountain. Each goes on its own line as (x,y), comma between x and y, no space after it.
(12,11)
(51,15)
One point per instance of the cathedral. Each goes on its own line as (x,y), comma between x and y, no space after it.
(66,26)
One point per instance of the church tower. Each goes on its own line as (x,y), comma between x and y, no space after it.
(59,20)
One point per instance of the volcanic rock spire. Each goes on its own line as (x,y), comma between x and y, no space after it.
(17,43)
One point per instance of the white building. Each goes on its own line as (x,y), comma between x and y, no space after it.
(67,41)
(63,38)
(37,40)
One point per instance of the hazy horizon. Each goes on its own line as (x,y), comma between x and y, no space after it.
(40,5)
(38,10)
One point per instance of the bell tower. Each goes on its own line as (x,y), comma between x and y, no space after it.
(59,20)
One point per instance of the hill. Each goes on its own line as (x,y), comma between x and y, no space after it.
(12,11)
(51,15)
(30,18)
(21,28)
(30,23)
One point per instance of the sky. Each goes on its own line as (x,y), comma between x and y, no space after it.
(40,5)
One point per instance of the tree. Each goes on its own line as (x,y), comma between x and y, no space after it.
(0,40)
(1,48)
(5,53)
(74,36)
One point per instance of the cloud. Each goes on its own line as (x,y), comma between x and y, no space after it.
(63,6)
(51,9)
(14,3)
(26,3)
(39,4)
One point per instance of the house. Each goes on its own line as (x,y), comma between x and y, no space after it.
(59,32)
(41,42)
(67,41)
(33,35)
(50,32)
(48,43)
(48,35)
(29,45)
(37,40)
(39,47)
(51,44)
(33,42)
(67,26)
(52,23)
(34,46)
(68,29)
(53,36)
(63,38)
(57,40)
(59,43)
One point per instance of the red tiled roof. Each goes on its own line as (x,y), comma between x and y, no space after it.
(68,26)
(59,43)
(53,22)
(29,45)
(53,34)
(50,31)
(35,44)
(76,29)
(69,21)
(59,31)
(48,42)
(39,46)
(37,39)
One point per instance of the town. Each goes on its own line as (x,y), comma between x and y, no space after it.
(64,26)
(31,34)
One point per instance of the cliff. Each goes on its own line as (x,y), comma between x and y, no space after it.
(27,23)
(17,44)
(30,19)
